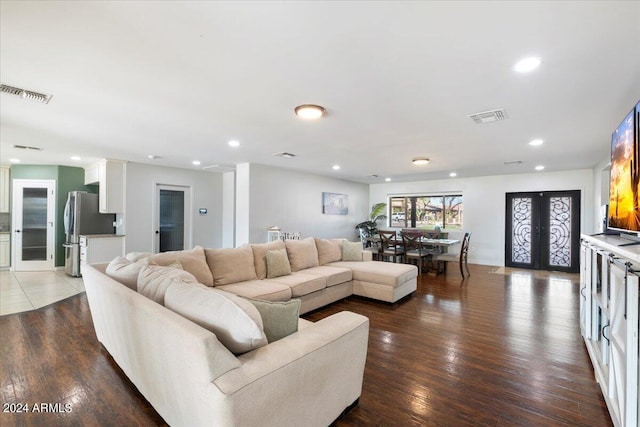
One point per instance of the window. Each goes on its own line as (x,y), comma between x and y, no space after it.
(426,212)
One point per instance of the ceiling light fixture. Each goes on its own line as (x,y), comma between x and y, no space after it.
(76,158)
(453,174)
(14,160)
(310,111)
(387,179)
(336,167)
(539,167)
(420,161)
(196,163)
(536,142)
(527,64)
(234,143)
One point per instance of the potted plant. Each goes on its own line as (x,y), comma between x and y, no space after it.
(370,228)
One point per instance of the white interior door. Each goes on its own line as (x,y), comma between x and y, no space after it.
(33,228)
(172,218)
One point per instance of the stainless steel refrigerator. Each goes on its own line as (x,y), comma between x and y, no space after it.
(81,217)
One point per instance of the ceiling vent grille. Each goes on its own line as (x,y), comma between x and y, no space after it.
(26,94)
(26,147)
(489,116)
(284,154)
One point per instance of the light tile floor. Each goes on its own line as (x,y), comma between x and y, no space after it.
(24,291)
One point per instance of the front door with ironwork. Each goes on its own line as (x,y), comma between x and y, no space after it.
(543,230)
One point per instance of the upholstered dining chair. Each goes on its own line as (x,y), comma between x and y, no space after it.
(413,249)
(389,246)
(460,258)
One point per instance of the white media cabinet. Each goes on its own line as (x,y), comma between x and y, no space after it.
(609,276)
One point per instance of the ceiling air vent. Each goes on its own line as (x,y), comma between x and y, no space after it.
(489,116)
(284,154)
(26,147)
(513,162)
(27,94)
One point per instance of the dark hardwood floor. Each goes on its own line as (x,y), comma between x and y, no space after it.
(495,350)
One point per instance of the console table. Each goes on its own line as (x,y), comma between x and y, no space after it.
(609,276)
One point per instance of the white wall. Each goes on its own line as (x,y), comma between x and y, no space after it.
(293,201)
(206,192)
(484,203)
(601,174)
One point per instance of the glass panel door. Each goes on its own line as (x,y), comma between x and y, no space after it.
(171,220)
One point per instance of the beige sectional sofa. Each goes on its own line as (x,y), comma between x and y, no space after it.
(308,377)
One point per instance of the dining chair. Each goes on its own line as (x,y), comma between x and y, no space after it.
(413,249)
(461,257)
(369,246)
(389,246)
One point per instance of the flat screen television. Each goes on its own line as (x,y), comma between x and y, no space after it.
(624,189)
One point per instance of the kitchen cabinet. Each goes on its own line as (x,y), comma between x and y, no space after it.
(609,285)
(99,248)
(5,250)
(4,189)
(110,175)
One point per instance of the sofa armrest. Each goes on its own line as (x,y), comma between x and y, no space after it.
(307,378)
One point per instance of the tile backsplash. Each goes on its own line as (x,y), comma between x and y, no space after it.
(5,221)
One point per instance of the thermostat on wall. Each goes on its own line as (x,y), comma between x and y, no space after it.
(202,211)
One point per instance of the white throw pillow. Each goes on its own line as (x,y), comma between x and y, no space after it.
(125,271)
(235,321)
(154,280)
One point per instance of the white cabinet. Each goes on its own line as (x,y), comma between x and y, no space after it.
(5,250)
(98,248)
(110,175)
(4,189)
(609,285)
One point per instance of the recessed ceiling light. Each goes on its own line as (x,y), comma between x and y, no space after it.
(76,158)
(196,163)
(14,160)
(387,179)
(527,64)
(234,143)
(536,142)
(420,161)
(336,167)
(310,111)
(539,167)
(452,174)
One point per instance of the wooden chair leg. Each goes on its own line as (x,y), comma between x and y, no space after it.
(461,272)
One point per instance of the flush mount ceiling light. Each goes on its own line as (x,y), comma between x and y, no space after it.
(453,174)
(420,161)
(234,143)
(309,111)
(536,142)
(527,64)
(14,160)
(539,167)
(76,158)
(387,180)
(336,167)
(196,163)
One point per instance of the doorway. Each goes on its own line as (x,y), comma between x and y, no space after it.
(543,230)
(33,225)
(172,219)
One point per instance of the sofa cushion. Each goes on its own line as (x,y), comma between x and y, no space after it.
(277,263)
(301,283)
(192,261)
(260,256)
(125,271)
(235,321)
(153,281)
(136,256)
(231,265)
(333,275)
(279,319)
(260,289)
(383,273)
(302,253)
(329,250)
(351,251)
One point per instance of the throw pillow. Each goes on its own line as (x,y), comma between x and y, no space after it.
(235,321)
(352,251)
(231,265)
(193,261)
(302,253)
(277,263)
(136,256)
(328,250)
(154,280)
(125,271)
(279,319)
(260,256)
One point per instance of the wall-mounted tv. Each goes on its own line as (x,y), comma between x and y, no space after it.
(624,214)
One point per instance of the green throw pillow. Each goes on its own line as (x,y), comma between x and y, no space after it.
(277,263)
(352,251)
(279,319)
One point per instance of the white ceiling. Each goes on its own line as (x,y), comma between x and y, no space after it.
(398,79)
